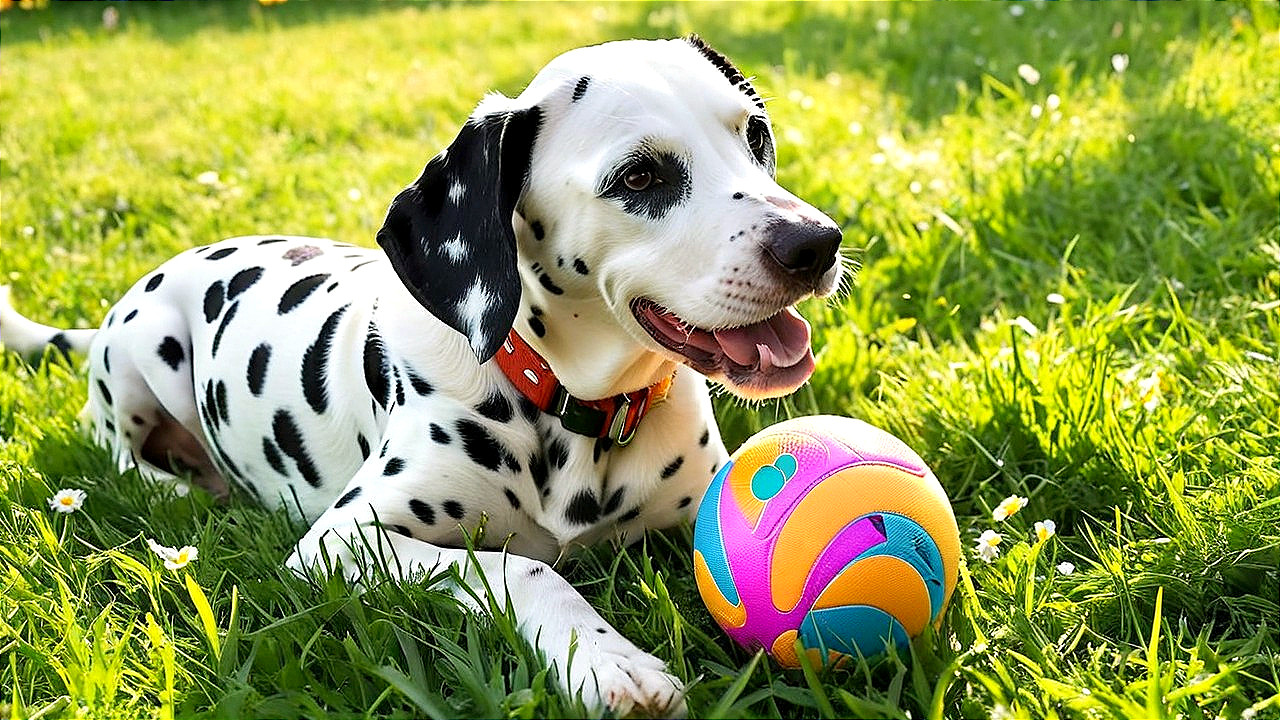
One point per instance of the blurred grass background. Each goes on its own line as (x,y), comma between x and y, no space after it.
(1066,217)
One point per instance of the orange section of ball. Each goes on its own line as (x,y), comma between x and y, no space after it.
(832,505)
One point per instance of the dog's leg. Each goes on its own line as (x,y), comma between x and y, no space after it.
(588,655)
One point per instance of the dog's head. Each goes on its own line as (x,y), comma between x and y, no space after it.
(632,181)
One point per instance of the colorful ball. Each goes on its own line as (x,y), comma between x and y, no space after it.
(829,530)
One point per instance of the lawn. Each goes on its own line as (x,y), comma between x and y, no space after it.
(1067,222)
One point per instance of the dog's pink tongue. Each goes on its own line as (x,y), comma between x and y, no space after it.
(780,341)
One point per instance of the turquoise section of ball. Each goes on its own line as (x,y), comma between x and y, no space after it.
(906,540)
(768,480)
(708,540)
(851,630)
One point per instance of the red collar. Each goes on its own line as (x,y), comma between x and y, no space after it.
(613,417)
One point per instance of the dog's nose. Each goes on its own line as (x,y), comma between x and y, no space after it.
(804,251)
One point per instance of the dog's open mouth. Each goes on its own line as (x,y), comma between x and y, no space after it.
(765,359)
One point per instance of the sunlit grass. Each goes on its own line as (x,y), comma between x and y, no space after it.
(1067,293)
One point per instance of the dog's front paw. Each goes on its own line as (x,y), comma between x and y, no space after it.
(612,672)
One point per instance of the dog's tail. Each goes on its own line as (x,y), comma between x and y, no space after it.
(30,339)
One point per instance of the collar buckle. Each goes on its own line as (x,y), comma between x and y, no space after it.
(619,432)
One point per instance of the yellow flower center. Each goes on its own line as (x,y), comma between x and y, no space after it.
(67,500)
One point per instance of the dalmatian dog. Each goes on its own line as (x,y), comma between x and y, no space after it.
(519,371)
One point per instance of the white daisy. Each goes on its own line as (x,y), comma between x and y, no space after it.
(1046,529)
(1066,568)
(174,558)
(1008,507)
(67,500)
(988,545)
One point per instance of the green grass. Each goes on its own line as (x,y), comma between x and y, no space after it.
(1147,200)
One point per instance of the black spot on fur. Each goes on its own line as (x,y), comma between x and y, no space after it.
(213,299)
(549,284)
(222,326)
(242,281)
(132,314)
(299,291)
(210,409)
(382,452)
(170,352)
(315,360)
(60,342)
(347,497)
(111,427)
(603,445)
(538,470)
(418,383)
(394,466)
(106,359)
(536,570)
(528,409)
(483,449)
(511,498)
(629,515)
(538,231)
(602,631)
(439,435)
(510,462)
(332,286)
(289,438)
(684,502)
(269,241)
(546,280)
(538,328)
(218,255)
(583,509)
(581,88)
(357,266)
(423,511)
(364,446)
(399,386)
(137,420)
(672,467)
(614,501)
(376,367)
(220,401)
(154,282)
(496,407)
(557,454)
(706,437)
(726,68)
(106,394)
(580,267)
(256,372)
(453,509)
(398,529)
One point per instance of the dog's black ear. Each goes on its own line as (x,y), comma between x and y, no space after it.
(449,234)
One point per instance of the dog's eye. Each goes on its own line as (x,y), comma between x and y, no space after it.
(637,180)
(757,133)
